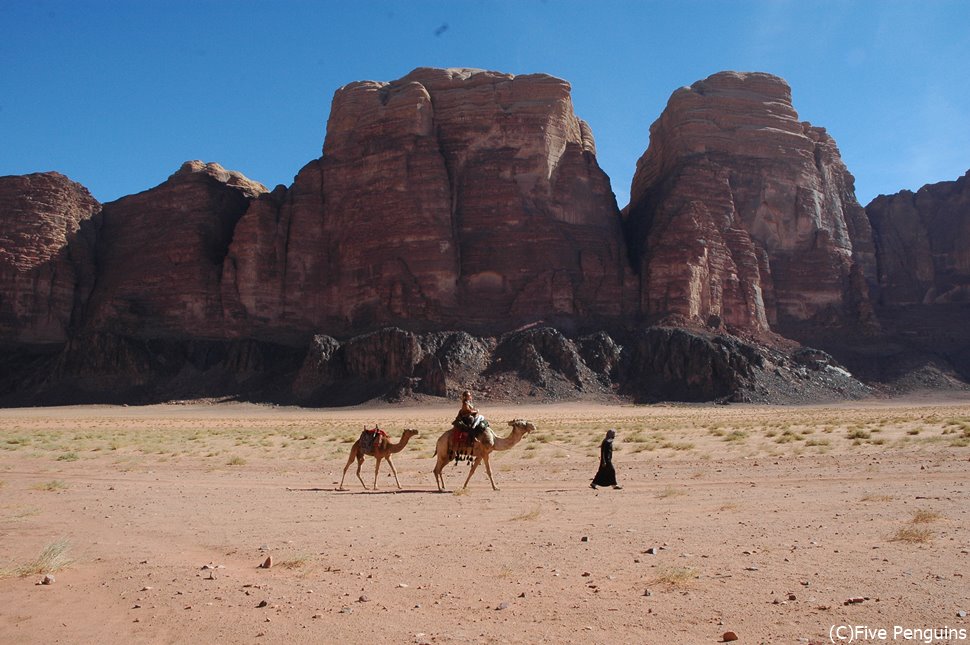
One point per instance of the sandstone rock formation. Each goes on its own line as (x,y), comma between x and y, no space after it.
(40,216)
(160,256)
(742,214)
(457,232)
(447,199)
(923,244)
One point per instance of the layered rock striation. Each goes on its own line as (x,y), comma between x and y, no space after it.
(42,255)
(923,244)
(742,214)
(160,256)
(449,198)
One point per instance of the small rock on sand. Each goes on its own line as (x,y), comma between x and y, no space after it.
(267,563)
(727,637)
(47,580)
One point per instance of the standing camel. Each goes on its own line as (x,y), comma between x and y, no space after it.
(379,447)
(447,448)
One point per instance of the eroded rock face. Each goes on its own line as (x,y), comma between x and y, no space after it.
(160,256)
(449,198)
(40,215)
(742,214)
(923,244)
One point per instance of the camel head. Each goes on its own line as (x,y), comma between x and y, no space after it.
(527,426)
(410,432)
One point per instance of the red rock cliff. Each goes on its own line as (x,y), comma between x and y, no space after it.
(923,244)
(39,215)
(160,255)
(743,214)
(449,198)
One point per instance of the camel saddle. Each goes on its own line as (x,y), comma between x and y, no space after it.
(369,437)
(462,443)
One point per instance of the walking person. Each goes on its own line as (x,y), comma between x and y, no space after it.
(606,475)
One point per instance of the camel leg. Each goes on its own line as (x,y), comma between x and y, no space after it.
(393,470)
(438,479)
(360,462)
(350,459)
(472,471)
(488,471)
(377,469)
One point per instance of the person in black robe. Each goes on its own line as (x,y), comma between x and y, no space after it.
(606,475)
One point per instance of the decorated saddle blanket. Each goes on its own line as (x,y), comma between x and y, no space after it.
(369,437)
(462,443)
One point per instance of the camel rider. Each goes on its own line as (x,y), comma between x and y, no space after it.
(469,419)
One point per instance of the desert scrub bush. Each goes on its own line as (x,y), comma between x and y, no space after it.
(68,456)
(296,561)
(857,433)
(670,491)
(52,559)
(912,535)
(526,516)
(817,442)
(675,576)
(787,437)
(236,460)
(736,435)
(678,445)
(924,516)
(53,485)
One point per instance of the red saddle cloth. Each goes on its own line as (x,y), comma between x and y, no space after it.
(461,437)
(370,437)
(462,444)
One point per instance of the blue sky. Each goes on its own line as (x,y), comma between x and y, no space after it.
(117,95)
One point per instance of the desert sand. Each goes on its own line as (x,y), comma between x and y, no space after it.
(764,521)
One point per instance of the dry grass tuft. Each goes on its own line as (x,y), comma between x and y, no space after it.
(53,485)
(53,558)
(912,535)
(670,491)
(923,516)
(236,460)
(877,498)
(296,561)
(528,515)
(675,577)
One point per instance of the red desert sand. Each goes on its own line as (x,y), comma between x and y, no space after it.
(221,523)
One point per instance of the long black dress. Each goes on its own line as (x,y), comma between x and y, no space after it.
(606,475)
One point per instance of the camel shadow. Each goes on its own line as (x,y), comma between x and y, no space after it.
(359,492)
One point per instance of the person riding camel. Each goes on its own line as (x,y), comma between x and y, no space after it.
(469,419)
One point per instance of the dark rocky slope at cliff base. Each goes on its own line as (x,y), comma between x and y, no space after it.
(538,364)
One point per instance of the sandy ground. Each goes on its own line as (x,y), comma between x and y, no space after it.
(759,520)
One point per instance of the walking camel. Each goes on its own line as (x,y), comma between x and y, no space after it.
(448,446)
(378,446)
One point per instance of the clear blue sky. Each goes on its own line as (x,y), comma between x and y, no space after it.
(117,95)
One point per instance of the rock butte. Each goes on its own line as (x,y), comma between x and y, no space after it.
(457,231)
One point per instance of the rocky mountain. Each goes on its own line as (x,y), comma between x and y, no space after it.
(457,232)
(447,199)
(741,213)
(41,255)
(924,244)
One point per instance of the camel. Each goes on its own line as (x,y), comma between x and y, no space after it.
(446,449)
(380,448)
